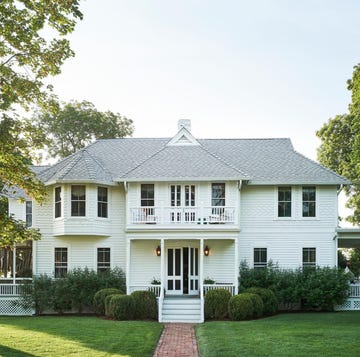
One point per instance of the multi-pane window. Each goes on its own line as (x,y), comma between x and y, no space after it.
(28,213)
(103,259)
(309,257)
(61,262)
(102,202)
(57,202)
(309,201)
(218,194)
(284,202)
(147,195)
(260,258)
(78,200)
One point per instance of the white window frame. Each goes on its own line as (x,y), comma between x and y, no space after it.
(60,202)
(291,202)
(309,264)
(78,201)
(97,260)
(260,265)
(61,264)
(29,213)
(315,202)
(103,202)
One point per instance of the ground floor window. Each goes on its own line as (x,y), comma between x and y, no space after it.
(309,257)
(61,262)
(260,258)
(103,259)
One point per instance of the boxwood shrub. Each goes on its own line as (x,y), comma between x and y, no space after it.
(145,305)
(121,307)
(216,304)
(241,307)
(268,298)
(99,299)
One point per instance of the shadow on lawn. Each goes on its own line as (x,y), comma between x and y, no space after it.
(7,351)
(132,338)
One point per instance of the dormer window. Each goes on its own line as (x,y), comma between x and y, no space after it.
(78,200)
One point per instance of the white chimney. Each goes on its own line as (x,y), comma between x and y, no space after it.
(184,123)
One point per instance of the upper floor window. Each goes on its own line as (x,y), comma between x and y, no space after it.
(260,258)
(309,257)
(61,262)
(284,202)
(103,259)
(147,195)
(102,202)
(28,213)
(78,200)
(57,202)
(309,201)
(218,194)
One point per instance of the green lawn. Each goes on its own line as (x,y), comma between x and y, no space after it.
(298,334)
(76,336)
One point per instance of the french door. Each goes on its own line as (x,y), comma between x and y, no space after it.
(182,201)
(182,271)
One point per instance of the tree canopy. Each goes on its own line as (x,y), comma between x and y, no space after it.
(340,147)
(76,124)
(28,55)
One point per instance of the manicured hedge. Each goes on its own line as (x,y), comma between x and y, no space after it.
(146,307)
(216,304)
(245,306)
(99,299)
(121,307)
(268,298)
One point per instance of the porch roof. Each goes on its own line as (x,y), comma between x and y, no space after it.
(348,237)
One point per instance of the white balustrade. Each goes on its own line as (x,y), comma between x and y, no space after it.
(229,287)
(156,289)
(354,290)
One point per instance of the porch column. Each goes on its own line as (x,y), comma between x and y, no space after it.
(128,255)
(236,266)
(162,264)
(14,264)
(201,278)
(336,238)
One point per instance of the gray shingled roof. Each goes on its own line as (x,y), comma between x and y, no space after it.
(258,161)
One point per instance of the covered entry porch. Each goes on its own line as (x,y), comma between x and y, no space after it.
(180,271)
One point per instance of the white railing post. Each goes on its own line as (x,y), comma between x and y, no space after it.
(202,316)
(236,269)
(162,279)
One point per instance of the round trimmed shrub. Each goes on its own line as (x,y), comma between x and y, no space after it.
(216,304)
(145,305)
(268,298)
(99,299)
(121,307)
(257,304)
(241,307)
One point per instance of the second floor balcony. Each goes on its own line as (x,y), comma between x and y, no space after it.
(183,216)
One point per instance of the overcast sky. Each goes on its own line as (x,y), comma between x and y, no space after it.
(275,68)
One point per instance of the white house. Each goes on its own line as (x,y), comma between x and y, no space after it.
(182,211)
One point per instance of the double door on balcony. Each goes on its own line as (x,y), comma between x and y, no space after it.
(182,271)
(182,202)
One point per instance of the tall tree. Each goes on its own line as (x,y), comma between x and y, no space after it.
(27,58)
(76,124)
(340,147)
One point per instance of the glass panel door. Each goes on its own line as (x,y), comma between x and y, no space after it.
(194,271)
(174,271)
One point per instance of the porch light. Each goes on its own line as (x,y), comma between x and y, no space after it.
(158,251)
(206,251)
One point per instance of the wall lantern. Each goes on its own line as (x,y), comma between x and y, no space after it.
(158,251)
(206,251)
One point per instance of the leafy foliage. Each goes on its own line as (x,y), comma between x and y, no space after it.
(355,261)
(26,59)
(76,290)
(216,304)
(268,298)
(340,147)
(77,124)
(319,288)
(121,307)
(241,307)
(146,307)
(99,299)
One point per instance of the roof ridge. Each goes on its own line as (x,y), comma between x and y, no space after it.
(97,161)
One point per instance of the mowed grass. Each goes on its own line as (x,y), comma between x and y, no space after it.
(76,336)
(297,334)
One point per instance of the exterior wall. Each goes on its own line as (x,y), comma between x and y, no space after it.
(17,208)
(284,238)
(82,248)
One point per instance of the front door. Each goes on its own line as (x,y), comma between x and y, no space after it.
(182,271)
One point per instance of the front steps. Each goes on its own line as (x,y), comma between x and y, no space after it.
(181,309)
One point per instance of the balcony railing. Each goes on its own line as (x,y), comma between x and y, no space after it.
(183,215)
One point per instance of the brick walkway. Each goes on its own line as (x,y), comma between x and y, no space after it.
(177,340)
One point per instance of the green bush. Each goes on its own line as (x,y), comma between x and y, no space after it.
(241,307)
(99,299)
(62,296)
(145,305)
(258,305)
(268,298)
(121,307)
(216,304)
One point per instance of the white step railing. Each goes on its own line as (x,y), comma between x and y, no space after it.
(156,289)
(183,215)
(229,287)
(13,287)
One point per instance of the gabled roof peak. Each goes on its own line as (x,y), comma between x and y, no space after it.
(183,136)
